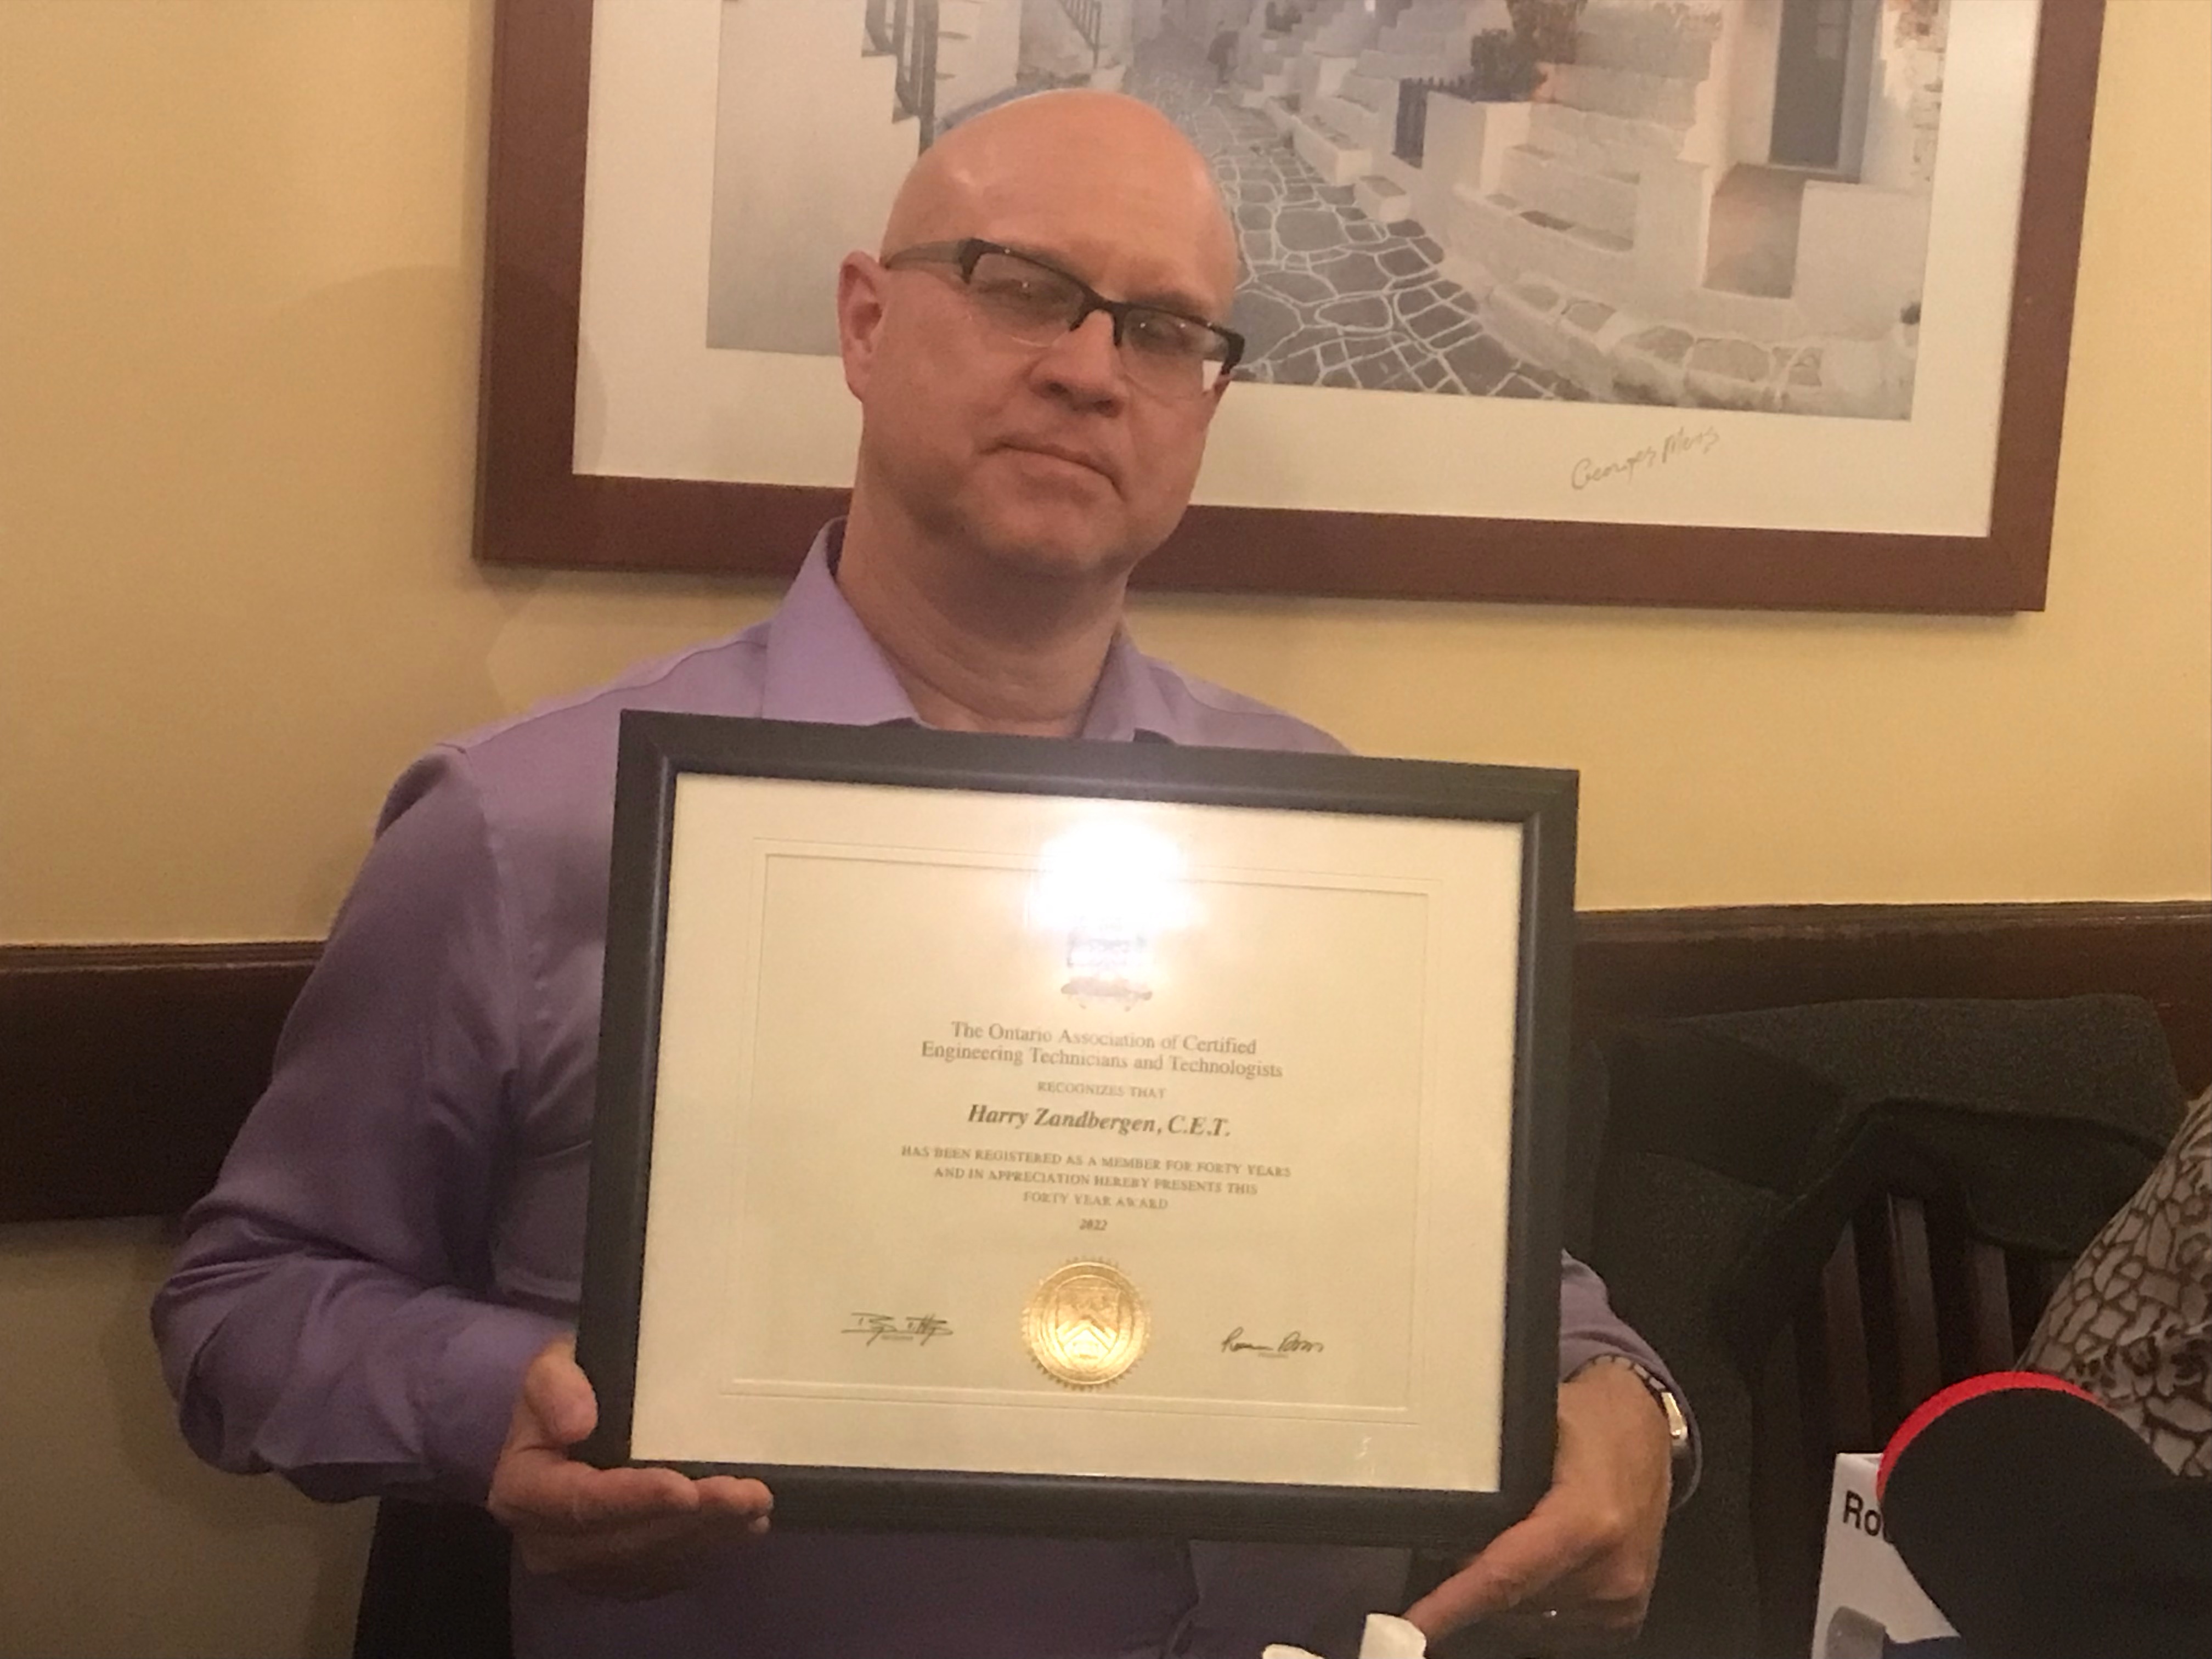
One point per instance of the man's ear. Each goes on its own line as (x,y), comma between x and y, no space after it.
(1213,398)
(860,318)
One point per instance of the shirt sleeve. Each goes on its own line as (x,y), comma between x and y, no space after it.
(1589,1329)
(328,1315)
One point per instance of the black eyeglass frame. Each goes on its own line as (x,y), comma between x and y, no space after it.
(968,250)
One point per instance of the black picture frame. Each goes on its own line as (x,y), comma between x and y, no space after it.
(658,750)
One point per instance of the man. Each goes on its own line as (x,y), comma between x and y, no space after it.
(374,1298)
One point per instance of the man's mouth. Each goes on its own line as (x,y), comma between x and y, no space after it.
(1090,461)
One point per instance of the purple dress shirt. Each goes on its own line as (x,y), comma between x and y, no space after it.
(399,1227)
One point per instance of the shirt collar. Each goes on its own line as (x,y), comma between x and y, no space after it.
(1127,706)
(823,665)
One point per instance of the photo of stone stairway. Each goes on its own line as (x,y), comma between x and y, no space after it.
(1707,202)
(1337,291)
(1718,204)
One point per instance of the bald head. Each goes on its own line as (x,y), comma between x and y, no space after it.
(997,459)
(1089,149)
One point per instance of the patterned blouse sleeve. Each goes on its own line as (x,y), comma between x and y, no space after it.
(2129,1321)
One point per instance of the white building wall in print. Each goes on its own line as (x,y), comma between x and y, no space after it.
(1751,48)
(778,227)
(1907,100)
(1054,48)
(1631,229)
(1862,255)
(979,53)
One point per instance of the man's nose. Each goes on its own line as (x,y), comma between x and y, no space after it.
(1086,364)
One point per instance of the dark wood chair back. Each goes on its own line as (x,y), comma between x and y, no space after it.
(1910,1301)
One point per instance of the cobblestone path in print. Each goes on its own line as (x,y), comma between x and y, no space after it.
(1330,297)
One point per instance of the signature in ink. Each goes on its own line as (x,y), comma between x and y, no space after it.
(920,1329)
(1296,1342)
(1683,443)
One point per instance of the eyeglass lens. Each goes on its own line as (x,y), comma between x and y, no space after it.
(1166,353)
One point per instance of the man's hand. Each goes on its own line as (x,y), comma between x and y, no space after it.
(628,1533)
(1578,1573)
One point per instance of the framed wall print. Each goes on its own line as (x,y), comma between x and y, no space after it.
(1713,302)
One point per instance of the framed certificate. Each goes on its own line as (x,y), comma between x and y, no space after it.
(1002,1134)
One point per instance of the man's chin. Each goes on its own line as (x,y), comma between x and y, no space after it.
(1058,551)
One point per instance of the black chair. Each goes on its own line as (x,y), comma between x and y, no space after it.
(1820,1216)
(1912,1300)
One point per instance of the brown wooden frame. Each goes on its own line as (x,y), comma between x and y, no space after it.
(533,509)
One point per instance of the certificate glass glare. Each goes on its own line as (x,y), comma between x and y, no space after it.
(918,1045)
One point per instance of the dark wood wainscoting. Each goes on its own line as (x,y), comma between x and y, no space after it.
(125,1070)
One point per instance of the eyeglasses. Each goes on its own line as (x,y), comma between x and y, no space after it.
(1164,352)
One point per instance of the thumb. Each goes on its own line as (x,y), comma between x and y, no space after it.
(558,1396)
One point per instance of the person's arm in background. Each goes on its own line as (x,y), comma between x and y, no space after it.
(328,1315)
(2132,1322)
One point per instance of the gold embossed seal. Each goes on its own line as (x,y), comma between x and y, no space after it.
(1086,1324)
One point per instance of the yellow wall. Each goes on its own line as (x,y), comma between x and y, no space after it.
(239,268)
(241,262)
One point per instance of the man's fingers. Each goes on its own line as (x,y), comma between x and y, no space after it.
(574,1498)
(544,1491)
(627,1532)
(1581,1610)
(581,1499)
(605,1545)
(557,1396)
(1579,1631)
(1520,1563)
(665,1535)
(1580,1566)
(630,1531)
(726,1494)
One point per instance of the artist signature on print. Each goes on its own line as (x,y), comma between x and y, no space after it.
(920,1329)
(1295,1342)
(1684,443)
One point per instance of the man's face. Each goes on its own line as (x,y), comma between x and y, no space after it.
(1045,459)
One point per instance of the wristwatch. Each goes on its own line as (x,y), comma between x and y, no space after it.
(1678,1426)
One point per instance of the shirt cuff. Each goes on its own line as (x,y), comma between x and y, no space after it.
(469,1394)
